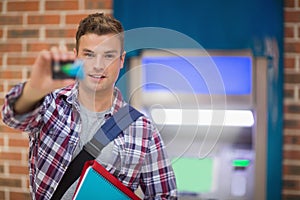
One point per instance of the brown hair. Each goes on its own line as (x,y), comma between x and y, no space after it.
(100,24)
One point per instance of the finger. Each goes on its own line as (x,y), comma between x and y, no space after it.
(63,48)
(71,55)
(55,53)
(65,54)
(42,61)
(46,55)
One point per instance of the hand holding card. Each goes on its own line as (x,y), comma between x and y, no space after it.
(67,69)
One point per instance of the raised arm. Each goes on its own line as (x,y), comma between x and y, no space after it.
(41,82)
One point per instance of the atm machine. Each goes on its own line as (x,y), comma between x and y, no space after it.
(210,108)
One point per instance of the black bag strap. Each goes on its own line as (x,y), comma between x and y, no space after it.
(105,134)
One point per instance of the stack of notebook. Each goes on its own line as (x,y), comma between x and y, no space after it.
(97,183)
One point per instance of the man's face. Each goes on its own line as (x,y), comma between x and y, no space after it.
(102,61)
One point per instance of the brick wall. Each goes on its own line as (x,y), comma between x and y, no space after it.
(291,154)
(26,27)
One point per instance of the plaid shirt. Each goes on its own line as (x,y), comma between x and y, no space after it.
(54,127)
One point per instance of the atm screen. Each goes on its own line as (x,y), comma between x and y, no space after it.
(193,175)
(197,75)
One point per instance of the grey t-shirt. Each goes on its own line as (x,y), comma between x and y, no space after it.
(91,122)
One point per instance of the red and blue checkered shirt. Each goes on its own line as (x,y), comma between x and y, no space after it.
(54,127)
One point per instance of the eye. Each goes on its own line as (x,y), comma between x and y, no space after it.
(89,54)
(109,56)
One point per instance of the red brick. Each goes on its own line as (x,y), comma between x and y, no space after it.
(23,33)
(18,142)
(289,93)
(70,46)
(10,182)
(61,33)
(289,63)
(294,140)
(291,169)
(291,124)
(289,32)
(292,47)
(12,60)
(292,78)
(6,129)
(291,184)
(75,18)
(289,4)
(98,4)
(43,19)
(292,16)
(20,195)
(17,169)
(23,6)
(61,5)
(10,75)
(11,20)
(36,47)
(10,156)
(12,47)
(292,109)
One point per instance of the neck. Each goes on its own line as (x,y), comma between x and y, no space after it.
(96,101)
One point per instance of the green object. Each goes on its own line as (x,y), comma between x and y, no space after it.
(240,163)
(193,174)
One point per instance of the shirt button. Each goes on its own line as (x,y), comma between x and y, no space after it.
(65,167)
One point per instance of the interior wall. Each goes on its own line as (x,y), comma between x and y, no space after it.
(234,24)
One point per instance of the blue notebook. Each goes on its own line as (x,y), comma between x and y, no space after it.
(97,183)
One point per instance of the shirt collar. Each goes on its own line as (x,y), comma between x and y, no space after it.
(118,101)
(70,94)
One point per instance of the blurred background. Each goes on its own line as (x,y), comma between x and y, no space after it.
(264,31)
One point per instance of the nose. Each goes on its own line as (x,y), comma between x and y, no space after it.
(99,63)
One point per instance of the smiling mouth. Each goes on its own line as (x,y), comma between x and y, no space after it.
(97,76)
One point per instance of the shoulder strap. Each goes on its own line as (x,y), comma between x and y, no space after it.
(111,129)
(106,133)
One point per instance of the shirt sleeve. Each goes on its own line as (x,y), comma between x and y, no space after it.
(28,122)
(157,176)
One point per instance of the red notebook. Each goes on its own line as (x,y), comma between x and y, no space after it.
(97,183)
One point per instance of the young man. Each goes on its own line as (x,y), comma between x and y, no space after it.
(62,115)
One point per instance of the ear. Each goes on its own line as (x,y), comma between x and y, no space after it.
(122,59)
(75,52)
